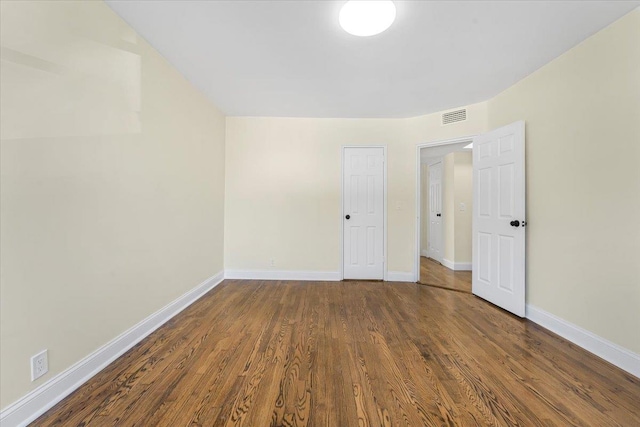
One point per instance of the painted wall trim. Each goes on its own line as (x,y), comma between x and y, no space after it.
(283,275)
(38,401)
(424,253)
(400,276)
(392,276)
(457,266)
(613,353)
(462,266)
(41,399)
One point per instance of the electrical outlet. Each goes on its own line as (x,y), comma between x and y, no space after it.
(39,365)
(272,262)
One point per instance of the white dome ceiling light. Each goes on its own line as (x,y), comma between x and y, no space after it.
(367,18)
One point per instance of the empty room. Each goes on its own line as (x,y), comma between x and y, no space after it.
(319,213)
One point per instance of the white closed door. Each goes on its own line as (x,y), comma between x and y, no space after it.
(363,216)
(434,248)
(499,218)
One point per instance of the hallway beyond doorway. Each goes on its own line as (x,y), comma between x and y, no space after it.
(435,274)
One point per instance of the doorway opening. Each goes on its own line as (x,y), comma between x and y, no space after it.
(446,205)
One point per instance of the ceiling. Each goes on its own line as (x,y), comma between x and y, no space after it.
(292,59)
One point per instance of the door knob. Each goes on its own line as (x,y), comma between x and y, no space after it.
(438,214)
(515,223)
(348,216)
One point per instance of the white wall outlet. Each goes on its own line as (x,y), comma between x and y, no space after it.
(463,207)
(272,262)
(39,365)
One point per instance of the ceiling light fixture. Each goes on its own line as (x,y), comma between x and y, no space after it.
(367,18)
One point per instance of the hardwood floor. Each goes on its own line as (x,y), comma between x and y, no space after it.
(260,353)
(435,274)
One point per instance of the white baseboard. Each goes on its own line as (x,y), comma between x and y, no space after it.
(612,353)
(447,263)
(320,276)
(38,401)
(462,266)
(283,275)
(41,399)
(399,276)
(424,253)
(457,266)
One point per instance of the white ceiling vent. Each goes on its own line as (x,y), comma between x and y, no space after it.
(454,116)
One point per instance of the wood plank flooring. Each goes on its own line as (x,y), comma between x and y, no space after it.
(435,274)
(260,353)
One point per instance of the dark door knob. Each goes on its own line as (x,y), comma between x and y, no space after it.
(515,223)
(348,216)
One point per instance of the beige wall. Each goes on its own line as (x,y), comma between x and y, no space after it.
(283,186)
(582,114)
(112,184)
(463,193)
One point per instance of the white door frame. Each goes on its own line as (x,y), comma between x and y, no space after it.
(384,202)
(416,265)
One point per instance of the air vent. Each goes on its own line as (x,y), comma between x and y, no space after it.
(454,116)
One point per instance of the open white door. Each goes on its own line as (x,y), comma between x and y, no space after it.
(363,204)
(499,218)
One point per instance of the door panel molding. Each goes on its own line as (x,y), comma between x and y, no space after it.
(343,213)
(499,199)
(435,243)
